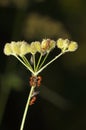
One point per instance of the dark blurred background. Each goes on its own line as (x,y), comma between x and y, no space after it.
(61,104)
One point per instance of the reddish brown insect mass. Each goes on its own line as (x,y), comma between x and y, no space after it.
(32,100)
(39,79)
(35,81)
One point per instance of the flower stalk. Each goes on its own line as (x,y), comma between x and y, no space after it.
(26,108)
(21,48)
(45,66)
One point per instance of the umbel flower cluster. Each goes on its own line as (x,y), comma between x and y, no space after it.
(35,64)
(21,48)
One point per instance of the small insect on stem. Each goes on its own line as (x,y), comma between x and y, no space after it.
(34,97)
(34,93)
(32,100)
(39,79)
(35,81)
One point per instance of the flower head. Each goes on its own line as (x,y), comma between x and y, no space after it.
(24,49)
(47,45)
(35,47)
(63,44)
(16,48)
(66,45)
(21,48)
(7,49)
(72,46)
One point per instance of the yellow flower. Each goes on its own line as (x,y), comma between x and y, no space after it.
(38,46)
(62,44)
(21,48)
(47,45)
(24,48)
(72,46)
(15,46)
(7,49)
(35,47)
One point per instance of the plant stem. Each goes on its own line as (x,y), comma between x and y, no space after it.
(27,62)
(56,57)
(44,60)
(24,64)
(38,62)
(34,62)
(26,108)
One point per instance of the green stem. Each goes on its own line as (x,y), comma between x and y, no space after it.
(38,62)
(44,60)
(56,57)
(24,64)
(26,108)
(27,62)
(34,62)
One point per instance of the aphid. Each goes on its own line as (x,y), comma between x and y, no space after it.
(35,81)
(33,99)
(35,93)
(39,79)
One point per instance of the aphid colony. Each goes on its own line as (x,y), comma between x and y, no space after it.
(36,82)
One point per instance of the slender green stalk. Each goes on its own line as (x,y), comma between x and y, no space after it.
(26,108)
(56,57)
(24,64)
(34,62)
(44,60)
(27,62)
(39,60)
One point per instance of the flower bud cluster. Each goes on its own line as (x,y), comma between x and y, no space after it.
(35,47)
(16,48)
(47,45)
(66,45)
(21,48)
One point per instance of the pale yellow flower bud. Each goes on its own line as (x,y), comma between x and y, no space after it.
(52,45)
(47,45)
(63,44)
(72,46)
(15,46)
(35,47)
(7,49)
(60,43)
(24,48)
